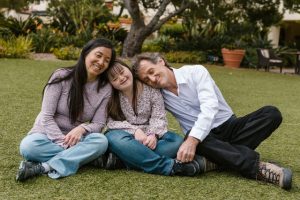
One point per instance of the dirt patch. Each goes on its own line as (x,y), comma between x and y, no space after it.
(43,56)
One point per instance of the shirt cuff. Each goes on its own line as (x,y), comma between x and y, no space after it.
(198,133)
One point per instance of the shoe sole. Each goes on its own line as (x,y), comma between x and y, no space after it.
(287,179)
(20,173)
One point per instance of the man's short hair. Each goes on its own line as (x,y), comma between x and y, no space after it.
(152,57)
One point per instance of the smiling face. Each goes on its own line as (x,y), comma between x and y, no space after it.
(120,77)
(155,75)
(97,61)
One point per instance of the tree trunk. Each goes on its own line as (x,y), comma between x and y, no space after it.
(134,40)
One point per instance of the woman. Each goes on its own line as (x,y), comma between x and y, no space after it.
(138,127)
(66,133)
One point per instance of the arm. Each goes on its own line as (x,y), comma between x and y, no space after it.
(124,125)
(93,126)
(49,105)
(139,135)
(209,104)
(158,120)
(209,108)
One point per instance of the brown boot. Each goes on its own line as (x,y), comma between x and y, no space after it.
(274,174)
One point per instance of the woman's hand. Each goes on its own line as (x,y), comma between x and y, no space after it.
(151,141)
(74,136)
(140,136)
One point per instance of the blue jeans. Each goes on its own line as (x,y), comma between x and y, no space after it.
(37,147)
(138,156)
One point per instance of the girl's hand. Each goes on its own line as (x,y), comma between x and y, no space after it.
(151,141)
(74,136)
(140,136)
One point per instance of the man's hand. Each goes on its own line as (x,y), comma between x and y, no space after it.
(150,142)
(74,136)
(140,136)
(187,150)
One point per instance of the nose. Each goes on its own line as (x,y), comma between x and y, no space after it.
(152,79)
(101,61)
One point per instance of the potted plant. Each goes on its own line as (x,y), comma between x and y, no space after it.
(233,53)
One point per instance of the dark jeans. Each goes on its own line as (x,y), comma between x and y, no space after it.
(231,145)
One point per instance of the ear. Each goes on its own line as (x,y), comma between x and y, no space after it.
(161,62)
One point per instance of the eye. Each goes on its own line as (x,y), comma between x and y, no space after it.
(98,55)
(107,60)
(151,71)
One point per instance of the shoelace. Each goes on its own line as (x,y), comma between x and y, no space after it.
(268,175)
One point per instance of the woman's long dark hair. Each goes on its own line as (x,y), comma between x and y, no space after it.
(114,107)
(78,74)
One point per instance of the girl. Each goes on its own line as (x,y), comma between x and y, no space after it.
(66,133)
(138,127)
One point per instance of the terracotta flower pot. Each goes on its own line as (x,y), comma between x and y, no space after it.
(233,58)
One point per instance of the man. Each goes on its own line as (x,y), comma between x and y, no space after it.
(212,130)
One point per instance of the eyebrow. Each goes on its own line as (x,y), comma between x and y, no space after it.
(100,52)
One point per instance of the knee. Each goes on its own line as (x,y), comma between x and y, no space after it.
(116,135)
(98,141)
(174,138)
(274,114)
(28,147)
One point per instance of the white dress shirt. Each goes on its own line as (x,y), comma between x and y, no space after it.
(199,106)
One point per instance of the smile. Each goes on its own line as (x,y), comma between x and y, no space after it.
(97,66)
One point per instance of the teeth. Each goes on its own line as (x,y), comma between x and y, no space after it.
(97,66)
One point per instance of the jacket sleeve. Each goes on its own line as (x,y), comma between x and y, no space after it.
(49,105)
(158,120)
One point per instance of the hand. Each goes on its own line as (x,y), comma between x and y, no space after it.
(140,136)
(150,142)
(187,150)
(74,136)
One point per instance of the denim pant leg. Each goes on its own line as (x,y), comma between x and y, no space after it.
(37,147)
(168,145)
(68,161)
(137,155)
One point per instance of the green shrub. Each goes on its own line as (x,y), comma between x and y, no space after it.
(15,47)
(44,40)
(195,57)
(175,31)
(159,44)
(67,53)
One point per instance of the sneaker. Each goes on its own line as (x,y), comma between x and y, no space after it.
(205,165)
(29,169)
(113,162)
(98,162)
(185,169)
(275,174)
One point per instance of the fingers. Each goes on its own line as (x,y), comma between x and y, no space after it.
(185,153)
(150,142)
(71,140)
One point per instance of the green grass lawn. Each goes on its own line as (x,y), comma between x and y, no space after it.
(21,84)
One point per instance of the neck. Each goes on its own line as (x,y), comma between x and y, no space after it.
(91,78)
(172,84)
(128,92)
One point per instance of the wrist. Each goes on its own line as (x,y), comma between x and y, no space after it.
(82,130)
(192,140)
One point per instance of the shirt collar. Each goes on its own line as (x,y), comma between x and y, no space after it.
(179,76)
